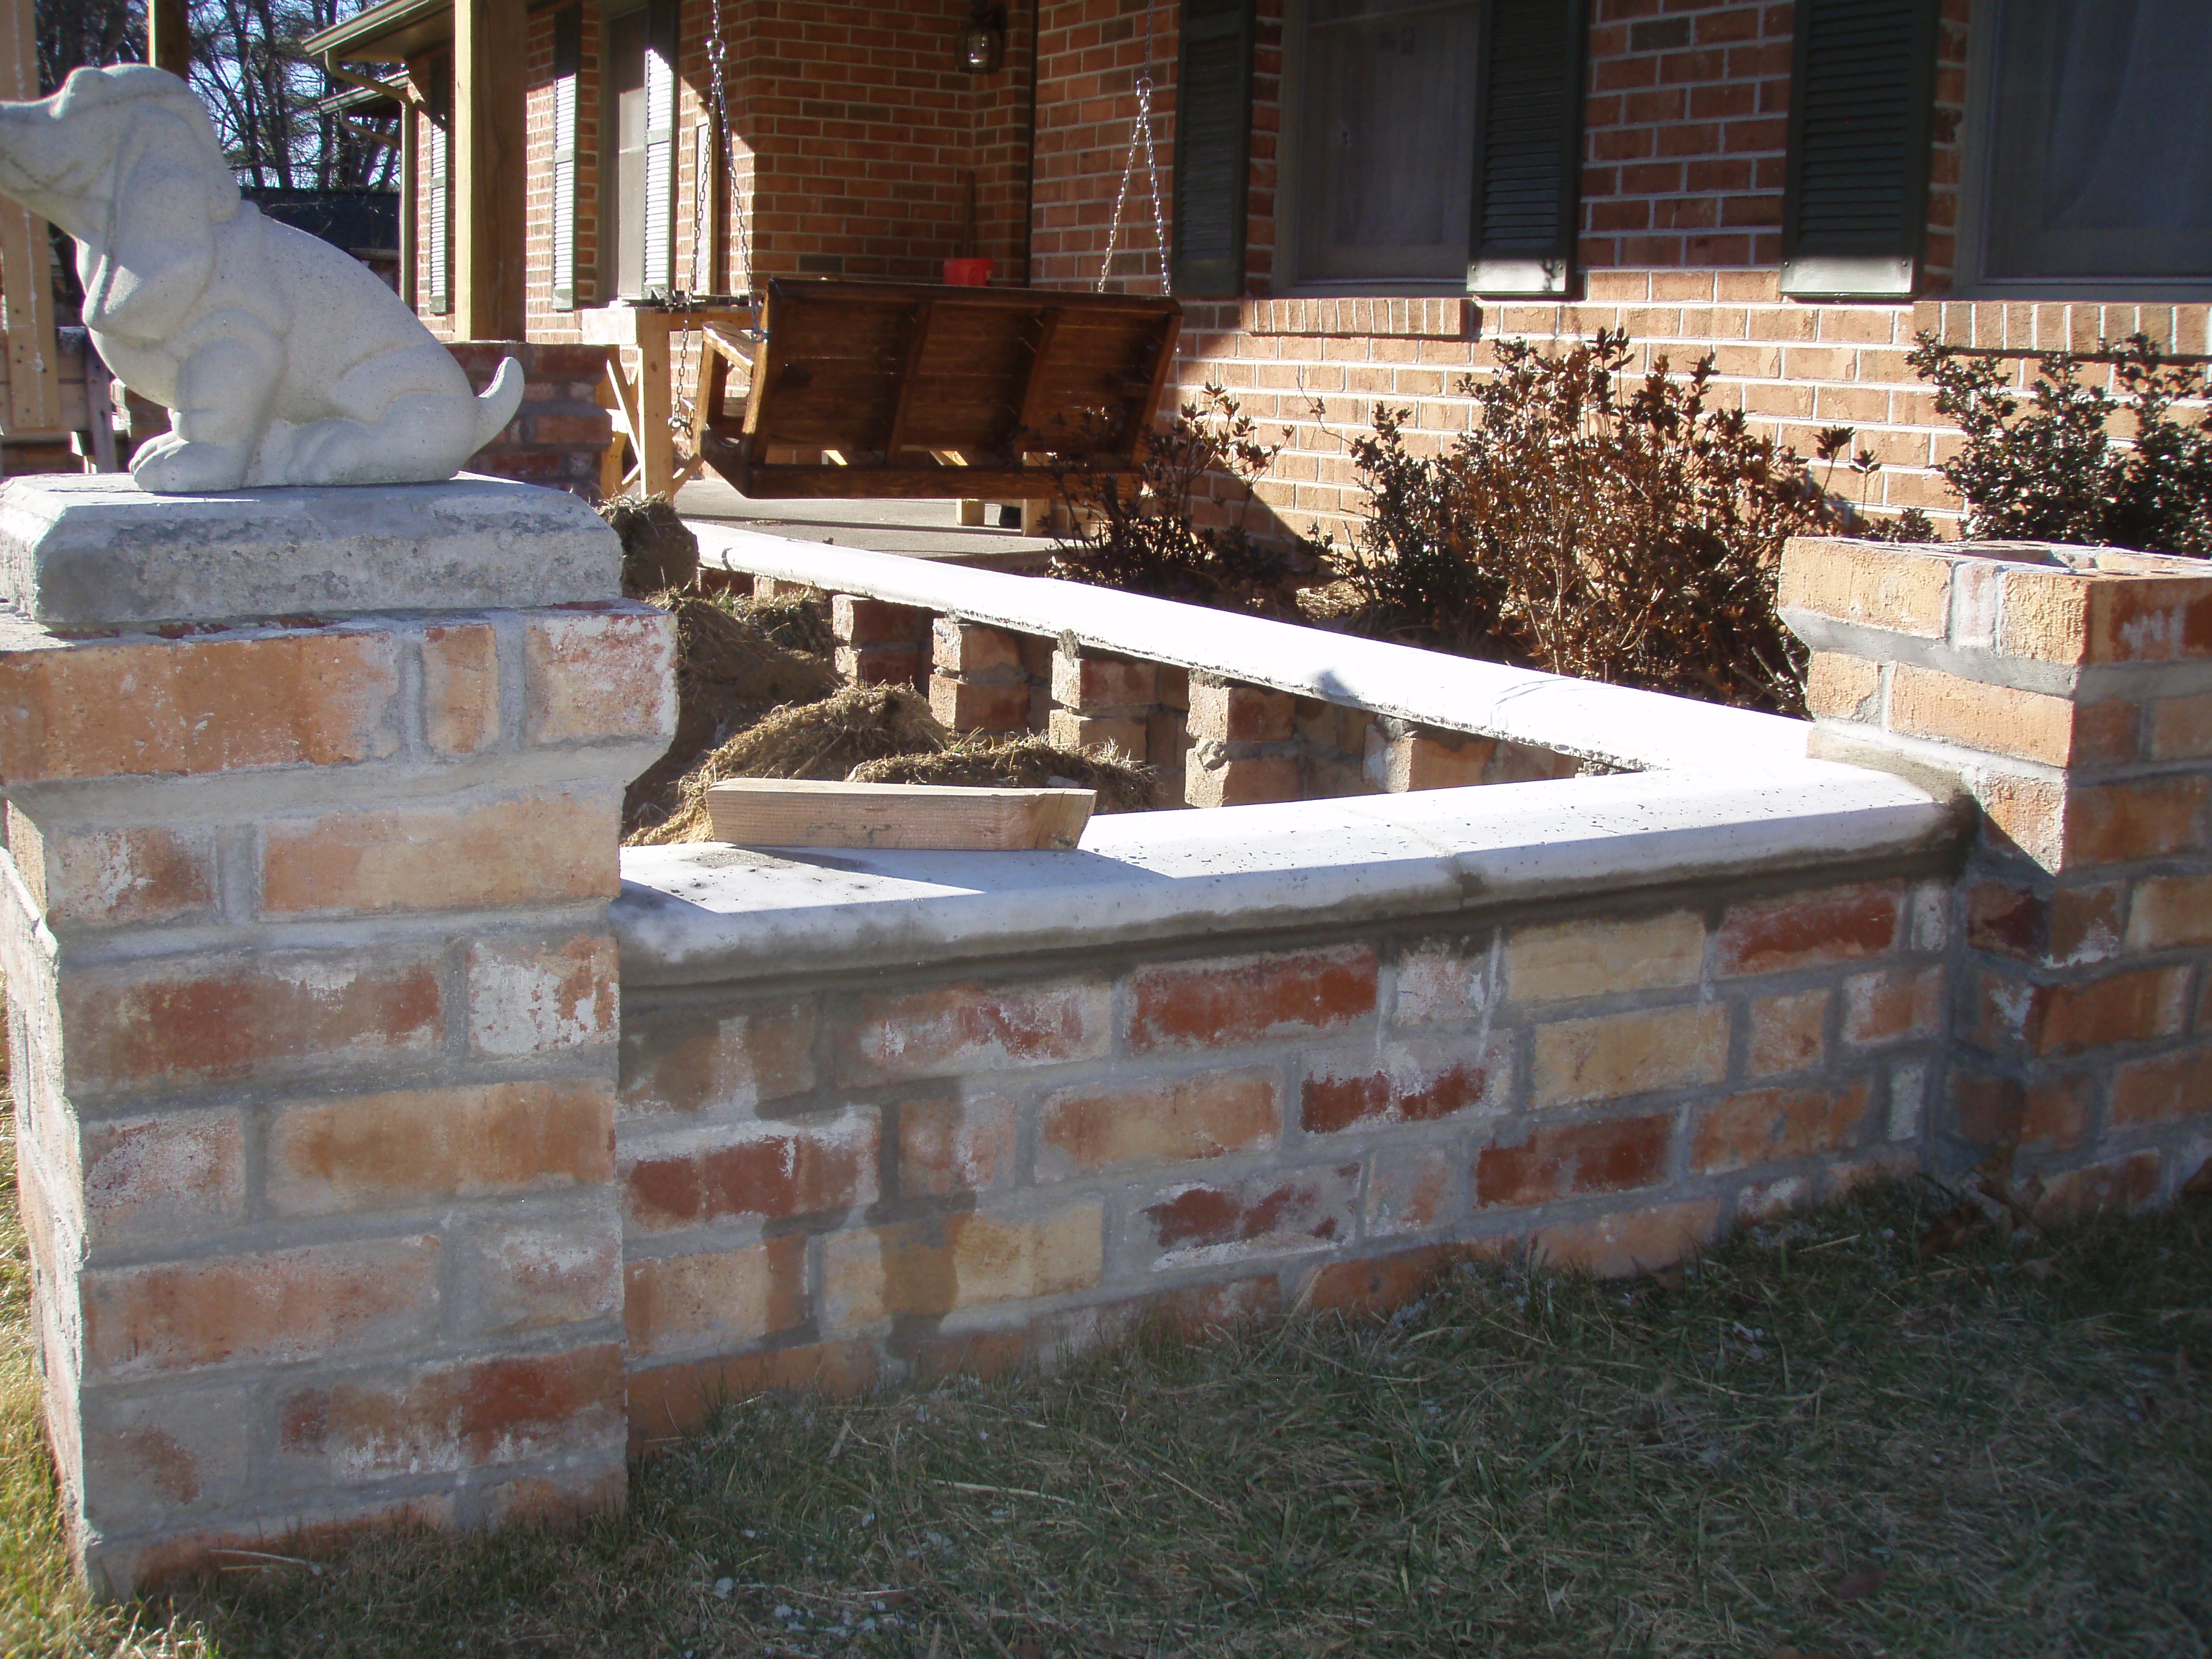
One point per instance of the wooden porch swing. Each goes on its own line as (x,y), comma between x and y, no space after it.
(861,390)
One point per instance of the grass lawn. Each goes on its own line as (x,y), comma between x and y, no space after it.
(1815,1444)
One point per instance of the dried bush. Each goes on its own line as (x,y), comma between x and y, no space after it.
(1591,524)
(2079,464)
(1147,538)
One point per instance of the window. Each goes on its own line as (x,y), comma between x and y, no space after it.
(642,166)
(1384,181)
(1432,144)
(2090,153)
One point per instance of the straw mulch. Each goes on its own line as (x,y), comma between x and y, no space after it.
(731,671)
(659,549)
(1025,762)
(824,739)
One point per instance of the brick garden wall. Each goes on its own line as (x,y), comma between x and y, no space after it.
(900,1177)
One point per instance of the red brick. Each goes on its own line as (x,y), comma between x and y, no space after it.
(1270,1212)
(2062,1019)
(1195,1117)
(273,1306)
(932,1267)
(1772,1125)
(1788,1033)
(526,998)
(388,1151)
(114,877)
(724,1298)
(857,621)
(966,706)
(2162,1090)
(1413,1190)
(1609,1055)
(147,706)
(2121,822)
(1587,1157)
(1240,780)
(2121,1183)
(1242,999)
(465,1415)
(590,676)
(1381,1284)
(1889,1007)
(770,1170)
(565,1270)
(959,648)
(135,1027)
(151,1177)
(1626,1243)
(669,1402)
(1339,1094)
(958,1029)
(2069,926)
(1091,685)
(1844,924)
(724,1060)
(540,849)
(1239,713)
(957,1143)
(461,688)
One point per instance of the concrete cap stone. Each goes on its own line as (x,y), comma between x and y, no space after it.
(91,550)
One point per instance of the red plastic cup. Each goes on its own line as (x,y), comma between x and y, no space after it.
(968,273)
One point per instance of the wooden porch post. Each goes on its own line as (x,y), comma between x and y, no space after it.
(169,35)
(489,180)
(34,402)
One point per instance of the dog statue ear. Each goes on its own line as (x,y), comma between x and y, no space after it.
(160,251)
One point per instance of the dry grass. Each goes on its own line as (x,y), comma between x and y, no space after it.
(1023,761)
(1814,1441)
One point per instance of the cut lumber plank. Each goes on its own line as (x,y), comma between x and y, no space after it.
(912,816)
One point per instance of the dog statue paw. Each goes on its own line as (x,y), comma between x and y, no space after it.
(282,360)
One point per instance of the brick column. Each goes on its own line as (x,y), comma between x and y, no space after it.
(1243,745)
(879,643)
(980,682)
(2066,692)
(1098,698)
(311,1000)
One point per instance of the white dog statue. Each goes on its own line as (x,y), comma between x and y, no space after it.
(282,360)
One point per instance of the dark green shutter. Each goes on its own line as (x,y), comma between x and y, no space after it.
(1529,147)
(1861,94)
(568,66)
(1212,147)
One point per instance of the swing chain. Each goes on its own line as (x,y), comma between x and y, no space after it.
(1140,135)
(679,418)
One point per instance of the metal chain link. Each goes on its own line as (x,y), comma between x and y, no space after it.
(1140,135)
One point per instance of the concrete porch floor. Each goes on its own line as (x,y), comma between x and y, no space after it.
(920,530)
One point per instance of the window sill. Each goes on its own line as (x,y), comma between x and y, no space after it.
(2183,328)
(1386,316)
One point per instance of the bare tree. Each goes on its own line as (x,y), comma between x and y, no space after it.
(260,88)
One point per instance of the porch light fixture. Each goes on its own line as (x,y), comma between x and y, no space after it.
(983,38)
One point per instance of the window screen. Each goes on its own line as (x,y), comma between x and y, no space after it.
(2100,134)
(1386,128)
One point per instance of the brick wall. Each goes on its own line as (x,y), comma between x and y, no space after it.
(903,1177)
(561,430)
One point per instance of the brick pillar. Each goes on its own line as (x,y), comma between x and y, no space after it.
(1103,699)
(313,808)
(879,643)
(980,684)
(1243,745)
(2066,692)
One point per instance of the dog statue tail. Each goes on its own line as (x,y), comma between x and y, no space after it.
(496,402)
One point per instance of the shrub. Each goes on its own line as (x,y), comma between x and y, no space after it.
(2077,464)
(1591,524)
(1146,535)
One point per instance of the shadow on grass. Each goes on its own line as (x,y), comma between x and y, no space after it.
(1815,1440)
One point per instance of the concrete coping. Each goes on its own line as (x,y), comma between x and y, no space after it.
(709,914)
(89,551)
(1615,725)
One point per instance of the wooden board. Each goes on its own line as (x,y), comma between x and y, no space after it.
(911,817)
